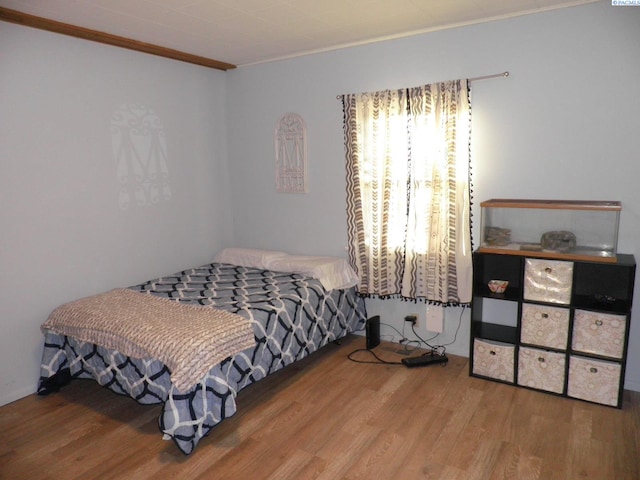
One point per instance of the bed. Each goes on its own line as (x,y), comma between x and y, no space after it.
(293,305)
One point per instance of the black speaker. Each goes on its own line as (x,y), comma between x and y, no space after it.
(373,332)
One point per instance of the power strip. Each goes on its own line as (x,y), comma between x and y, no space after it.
(424,360)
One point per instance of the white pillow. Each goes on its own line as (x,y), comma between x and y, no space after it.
(333,272)
(248,257)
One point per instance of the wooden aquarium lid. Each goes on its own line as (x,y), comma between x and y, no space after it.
(552,204)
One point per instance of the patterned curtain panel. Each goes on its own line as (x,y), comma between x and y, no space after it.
(408,192)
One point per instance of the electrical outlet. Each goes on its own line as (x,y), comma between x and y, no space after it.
(413,318)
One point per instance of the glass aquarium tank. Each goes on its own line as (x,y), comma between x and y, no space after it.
(564,229)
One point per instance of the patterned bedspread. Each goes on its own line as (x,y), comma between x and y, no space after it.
(291,315)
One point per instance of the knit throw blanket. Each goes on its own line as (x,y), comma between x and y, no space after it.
(188,339)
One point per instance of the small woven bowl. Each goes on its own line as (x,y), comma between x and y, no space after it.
(498,286)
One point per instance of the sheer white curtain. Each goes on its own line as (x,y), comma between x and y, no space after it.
(408,192)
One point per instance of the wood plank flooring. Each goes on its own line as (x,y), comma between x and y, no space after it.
(329,418)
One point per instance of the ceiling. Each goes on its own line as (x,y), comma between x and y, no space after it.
(245,32)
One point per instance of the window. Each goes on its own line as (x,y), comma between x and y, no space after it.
(407,155)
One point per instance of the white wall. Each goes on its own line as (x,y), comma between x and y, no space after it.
(563,125)
(63,234)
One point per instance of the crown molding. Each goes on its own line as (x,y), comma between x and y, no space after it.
(14,16)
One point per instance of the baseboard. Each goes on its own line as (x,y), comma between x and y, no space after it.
(16,395)
(632,385)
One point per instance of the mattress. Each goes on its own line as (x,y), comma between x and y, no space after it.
(292,315)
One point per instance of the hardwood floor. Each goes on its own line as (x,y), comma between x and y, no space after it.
(329,418)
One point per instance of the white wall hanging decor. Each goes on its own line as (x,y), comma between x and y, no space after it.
(291,154)
(140,152)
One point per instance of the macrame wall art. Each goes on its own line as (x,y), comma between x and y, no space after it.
(140,154)
(291,154)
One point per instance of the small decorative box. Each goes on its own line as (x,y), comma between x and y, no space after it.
(544,325)
(599,333)
(594,380)
(493,359)
(541,369)
(548,281)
